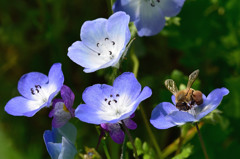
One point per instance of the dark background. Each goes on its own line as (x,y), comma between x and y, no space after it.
(34,34)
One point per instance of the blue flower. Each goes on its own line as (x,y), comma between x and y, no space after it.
(166,115)
(115,130)
(103,42)
(112,104)
(59,142)
(37,91)
(62,108)
(149,15)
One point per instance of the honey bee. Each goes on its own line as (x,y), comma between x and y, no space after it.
(187,98)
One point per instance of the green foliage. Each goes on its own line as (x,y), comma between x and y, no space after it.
(143,149)
(186,152)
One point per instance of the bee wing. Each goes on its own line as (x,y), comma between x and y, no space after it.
(171,86)
(192,77)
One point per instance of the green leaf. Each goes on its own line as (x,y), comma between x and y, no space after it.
(145,147)
(186,152)
(138,144)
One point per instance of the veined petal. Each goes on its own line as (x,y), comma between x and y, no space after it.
(212,101)
(56,80)
(116,133)
(68,150)
(88,114)
(180,117)
(67,95)
(171,8)
(130,124)
(159,113)
(151,20)
(20,106)
(27,83)
(131,7)
(127,85)
(146,93)
(95,95)
(60,115)
(94,31)
(85,57)
(117,28)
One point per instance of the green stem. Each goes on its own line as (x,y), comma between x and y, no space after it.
(151,135)
(174,145)
(123,154)
(105,149)
(202,143)
(109,5)
(135,63)
(130,138)
(146,123)
(104,145)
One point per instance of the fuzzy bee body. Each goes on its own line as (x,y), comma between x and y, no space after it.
(187,98)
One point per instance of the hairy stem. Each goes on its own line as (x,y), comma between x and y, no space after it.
(130,138)
(202,143)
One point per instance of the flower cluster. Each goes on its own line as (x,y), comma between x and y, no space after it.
(103,43)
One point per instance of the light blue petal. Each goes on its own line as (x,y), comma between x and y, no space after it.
(128,85)
(159,113)
(94,31)
(69,131)
(53,149)
(180,117)
(20,106)
(117,28)
(85,57)
(68,150)
(28,82)
(131,7)
(146,93)
(88,114)
(212,102)
(171,7)
(56,80)
(151,20)
(95,95)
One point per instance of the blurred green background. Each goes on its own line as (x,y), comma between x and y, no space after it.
(34,34)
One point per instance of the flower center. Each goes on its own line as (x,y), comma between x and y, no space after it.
(113,106)
(106,48)
(153,2)
(39,93)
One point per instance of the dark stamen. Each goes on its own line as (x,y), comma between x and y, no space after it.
(37,90)
(111,95)
(117,95)
(99,54)
(109,102)
(153,5)
(158,1)
(105,99)
(97,44)
(106,39)
(115,100)
(113,42)
(32,91)
(110,52)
